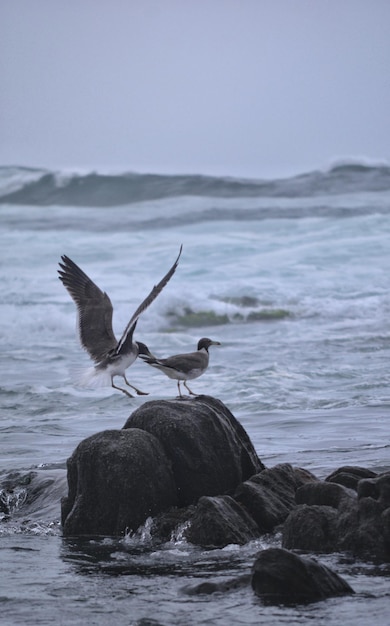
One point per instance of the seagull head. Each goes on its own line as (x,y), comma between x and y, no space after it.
(205,343)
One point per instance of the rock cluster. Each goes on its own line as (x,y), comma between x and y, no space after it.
(330,517)
(191,461)
(190,464)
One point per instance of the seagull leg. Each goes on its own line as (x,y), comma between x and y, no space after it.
(178,386)
(120,389)
(140,393)
(189,390)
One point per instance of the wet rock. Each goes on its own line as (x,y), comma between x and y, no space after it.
(117,479)
(279,576)
(377,488)
(169,454)
(219,521)
(208,587)
(171,524)
(311,528)
(210,451)
(189,464)
(330,517)
(32,495)
(349,476)
(15,489)
(326,494)
(365,531)
(270,495)
(313,525)
(303,476)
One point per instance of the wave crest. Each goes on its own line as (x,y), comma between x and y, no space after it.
(37,187)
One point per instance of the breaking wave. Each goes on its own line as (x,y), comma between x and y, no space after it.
(41,187)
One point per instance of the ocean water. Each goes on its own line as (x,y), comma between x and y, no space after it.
(291,276)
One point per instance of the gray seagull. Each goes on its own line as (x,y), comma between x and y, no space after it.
(181,367)
(112,357)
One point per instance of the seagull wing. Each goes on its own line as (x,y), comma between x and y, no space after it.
(94,310)
(128,332)
(183,362)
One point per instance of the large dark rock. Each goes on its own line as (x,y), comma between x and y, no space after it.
(169,454)
(219,521)
(270,495)
(117,479)
(210,451)
(279,576)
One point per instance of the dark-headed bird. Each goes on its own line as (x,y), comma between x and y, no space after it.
(112,357)
(181,367)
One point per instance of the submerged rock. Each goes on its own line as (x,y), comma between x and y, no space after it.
(32,496)
(279,576)
(208,587)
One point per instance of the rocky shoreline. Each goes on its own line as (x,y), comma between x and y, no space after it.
(189,464)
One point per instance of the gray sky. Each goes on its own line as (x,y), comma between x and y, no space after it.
(252,88)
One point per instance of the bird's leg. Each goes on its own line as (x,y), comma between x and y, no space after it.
(178,386)
(140,393)
(189,390)
(120,389)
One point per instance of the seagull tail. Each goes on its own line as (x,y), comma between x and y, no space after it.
(90,377)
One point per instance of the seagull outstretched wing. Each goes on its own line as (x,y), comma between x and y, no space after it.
(128,332)
(94,310)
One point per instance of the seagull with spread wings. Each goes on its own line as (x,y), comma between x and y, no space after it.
(111,357)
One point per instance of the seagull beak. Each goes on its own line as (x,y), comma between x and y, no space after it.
(215,343)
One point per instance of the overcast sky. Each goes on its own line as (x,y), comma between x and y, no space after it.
(252,88)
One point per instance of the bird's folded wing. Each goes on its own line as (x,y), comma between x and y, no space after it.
(183,362)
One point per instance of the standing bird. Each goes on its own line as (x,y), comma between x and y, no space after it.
(181,366)
(112,357)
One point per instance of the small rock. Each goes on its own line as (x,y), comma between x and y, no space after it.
(219,521)
(281,577)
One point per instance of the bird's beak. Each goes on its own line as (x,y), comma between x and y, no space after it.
(143,350)
(215,343)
